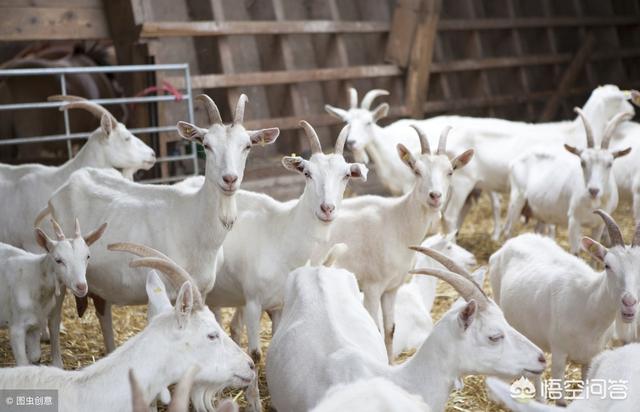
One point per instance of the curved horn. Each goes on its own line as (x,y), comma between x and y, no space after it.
(468,289)
(587,126)
(442,143)
(137,249)
(176,275)
(57,229)
(75,102)
(371,96)
(443,260)
(612,227)
(78,232)
(424,142)
(636,236)
(238,117)
(314,141)
(342,139)
(612,126)
(353,98)
(212,109)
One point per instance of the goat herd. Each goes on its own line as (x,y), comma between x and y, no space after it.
(330,273)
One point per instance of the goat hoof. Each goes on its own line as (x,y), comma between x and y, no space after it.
(256,356)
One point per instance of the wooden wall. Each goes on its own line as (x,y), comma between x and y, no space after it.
(519,59)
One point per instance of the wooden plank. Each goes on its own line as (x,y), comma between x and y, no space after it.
(76,4)
(476,42)
(421,57)
(568,79)
(30,23)
(229,28)
(403,28)
(533,22)
(519,51)
(210,81)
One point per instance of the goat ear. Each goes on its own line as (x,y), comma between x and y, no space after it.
(105,124)
(184,304)
(572,149)
(191,132)
(407,157)
(264,136)
(294,163)
(382,110)
(157,293)
(467,314)
(336,112)
(358,171)
(43,240)
(594,248)
(620,153)
(92,237)
(462,159)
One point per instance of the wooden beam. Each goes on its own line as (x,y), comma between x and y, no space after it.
(532,22)
(75,4)
(417,81)
(568,79)
(402,32)
(61,23)
(210,81)
(227,28)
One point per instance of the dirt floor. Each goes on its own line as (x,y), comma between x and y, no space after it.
(82,341)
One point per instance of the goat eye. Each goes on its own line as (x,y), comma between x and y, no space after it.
(247,147)
(88,257)
(583,163)
(607,267)
(59,261)
(206,146)
(213,336)
(307,174)
(496,338)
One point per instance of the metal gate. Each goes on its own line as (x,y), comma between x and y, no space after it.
(181,69)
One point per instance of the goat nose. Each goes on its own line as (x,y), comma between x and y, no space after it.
(593,191)
(435,195)
(327,208)
(252,366)
(629,300)
(81,287)
(542,359)
(230,179)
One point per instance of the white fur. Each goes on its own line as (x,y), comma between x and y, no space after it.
(415,298)
(271,238)
(621,364)
(161,354)
(379,230)
(187,226)
(370,395)
(556,185)
(496,142)
(557,300)
(25,189)
(31,283)
(326,338)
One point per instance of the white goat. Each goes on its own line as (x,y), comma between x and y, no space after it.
(415,298)
(326,338)
(496,142)
(254,279)
(379,230)
(187,226)
(371,395)
(31,282)
(564,186)
(25,189)
(173,342)
(619,366)
(560,302)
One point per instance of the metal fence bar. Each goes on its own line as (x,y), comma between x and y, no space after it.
(67,128)
(68,136)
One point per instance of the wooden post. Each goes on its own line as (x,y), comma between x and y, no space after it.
(402,32)
(421,57)
(568,78)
